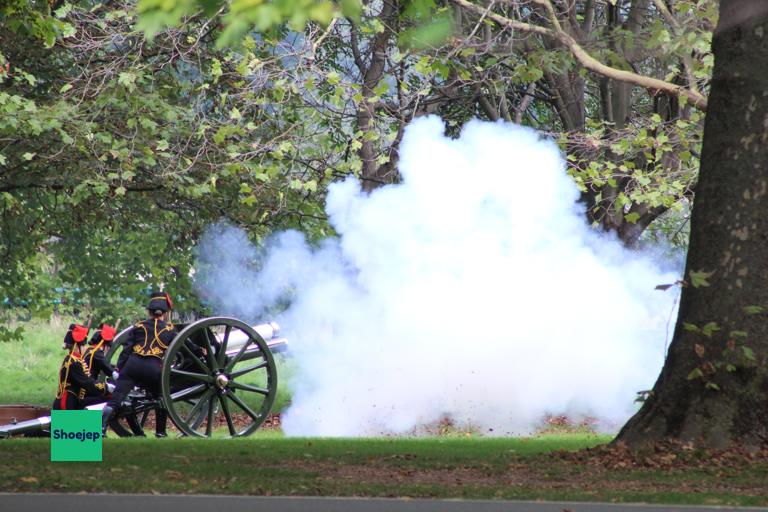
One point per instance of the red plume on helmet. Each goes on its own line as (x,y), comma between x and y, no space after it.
(108,332)
(76,334)
(79,333)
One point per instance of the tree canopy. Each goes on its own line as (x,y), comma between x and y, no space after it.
(129,126)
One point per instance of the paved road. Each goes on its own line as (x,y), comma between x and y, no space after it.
(165,503)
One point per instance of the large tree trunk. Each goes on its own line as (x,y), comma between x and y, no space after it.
(711,391)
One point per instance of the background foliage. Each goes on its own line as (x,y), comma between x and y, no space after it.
(126,127)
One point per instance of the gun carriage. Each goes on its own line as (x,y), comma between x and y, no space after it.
(218,375)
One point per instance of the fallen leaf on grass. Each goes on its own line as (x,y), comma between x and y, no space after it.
(29,479)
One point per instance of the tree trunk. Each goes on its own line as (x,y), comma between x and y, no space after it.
(371,75)
(713,389)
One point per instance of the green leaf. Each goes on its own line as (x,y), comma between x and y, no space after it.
(690,327)
(29,78)
(695,374)
(710,328)
(210,6)
(748,353)
(699,279)
(753,310)
(632,218)
(321,12)
(155,15)
(28,156)
(127,80)
(62,11)
(712,386)
(216,71)
(65,88)
(429,35)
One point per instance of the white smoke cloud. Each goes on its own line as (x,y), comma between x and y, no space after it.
(473,290)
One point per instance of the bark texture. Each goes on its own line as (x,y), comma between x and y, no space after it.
(725,405)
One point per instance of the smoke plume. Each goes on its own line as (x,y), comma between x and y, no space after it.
(474,290)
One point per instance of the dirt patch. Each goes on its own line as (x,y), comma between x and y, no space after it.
(601,470)
(667,455)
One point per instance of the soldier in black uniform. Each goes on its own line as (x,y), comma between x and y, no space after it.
(95,355)
(76,388)
(141,362)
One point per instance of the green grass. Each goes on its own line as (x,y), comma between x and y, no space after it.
(267,461)
(29,368)
(469,467)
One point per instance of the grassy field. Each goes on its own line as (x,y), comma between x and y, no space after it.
(456,467)
(29,368)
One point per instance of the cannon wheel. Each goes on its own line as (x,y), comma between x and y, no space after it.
(218,384)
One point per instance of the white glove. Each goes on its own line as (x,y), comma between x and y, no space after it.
(110,387)
(115,375)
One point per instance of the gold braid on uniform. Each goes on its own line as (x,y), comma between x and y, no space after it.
(87,371)
(63,382)
(151,348)
(93,353)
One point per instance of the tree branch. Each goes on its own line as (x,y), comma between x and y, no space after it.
(585,59)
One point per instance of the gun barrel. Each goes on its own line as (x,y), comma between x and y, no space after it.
(237,339)
(270,332)
(25,427)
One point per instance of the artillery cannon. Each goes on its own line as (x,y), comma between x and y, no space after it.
(233,383)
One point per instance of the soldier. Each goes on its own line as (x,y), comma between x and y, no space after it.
(76,388)
(95,356)
(141,361)
(96,359)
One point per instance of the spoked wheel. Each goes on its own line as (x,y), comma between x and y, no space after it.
(219,379)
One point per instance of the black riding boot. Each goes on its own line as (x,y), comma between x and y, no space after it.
(161,418)
(106,415)
(135,426)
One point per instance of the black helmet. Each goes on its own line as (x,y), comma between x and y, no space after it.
(160,302)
